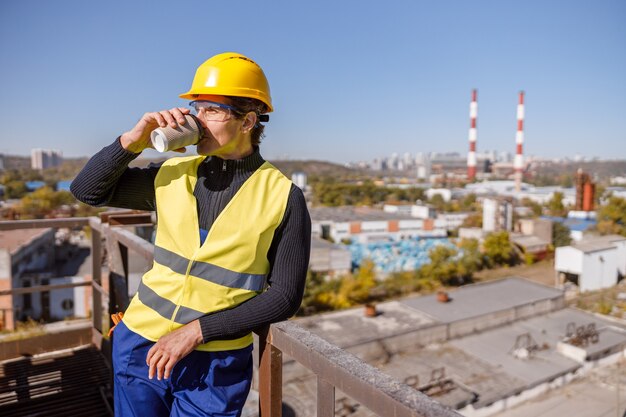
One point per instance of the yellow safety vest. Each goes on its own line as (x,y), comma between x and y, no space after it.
(188,280)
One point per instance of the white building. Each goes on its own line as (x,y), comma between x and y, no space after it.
(451,221)
(45,158)
(299,179)
(422,162)
(445,193)
(505,188)
(423,211)
(497,215)
(405,209)
(593,263)
(366,224)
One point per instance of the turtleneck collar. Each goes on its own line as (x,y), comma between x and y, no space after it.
(238,168)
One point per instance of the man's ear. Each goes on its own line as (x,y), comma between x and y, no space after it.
(249,122)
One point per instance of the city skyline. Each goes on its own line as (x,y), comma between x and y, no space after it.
(350,81)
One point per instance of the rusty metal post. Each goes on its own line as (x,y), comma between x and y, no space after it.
(325,398)
(118,272)
(270,377)
(96,277)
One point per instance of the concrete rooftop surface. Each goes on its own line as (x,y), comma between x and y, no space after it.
(480,299)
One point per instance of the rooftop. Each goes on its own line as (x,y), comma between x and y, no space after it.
(598,243)
(14,240)
(484,298)
(350,214)
(351,327)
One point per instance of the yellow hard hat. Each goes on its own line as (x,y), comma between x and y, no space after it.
(230,74)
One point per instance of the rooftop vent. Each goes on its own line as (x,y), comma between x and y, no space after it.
(581,335)
(443,297)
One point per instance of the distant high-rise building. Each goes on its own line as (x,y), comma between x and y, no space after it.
(377,164)
(497,215)
(299,178)
(45,158)
(407,160)
(1,162)
(422,161)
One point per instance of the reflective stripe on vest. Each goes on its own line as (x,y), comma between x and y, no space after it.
(213,273)
(189,280)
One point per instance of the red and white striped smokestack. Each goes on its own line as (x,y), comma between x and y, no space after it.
(471,156)
(519,140)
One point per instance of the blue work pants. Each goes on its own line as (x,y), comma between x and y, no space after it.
(211,384)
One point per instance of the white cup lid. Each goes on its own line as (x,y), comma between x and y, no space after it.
(158,140)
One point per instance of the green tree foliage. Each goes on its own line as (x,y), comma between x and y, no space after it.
(499,250)
(468,203)
(473,220)
(555,205)
(472,260)
(438,202)
(15,189)
(39,203)
(318,294)
(356,289)
(534,206)
(327,192)
(443,267)
(560,235)
(612,217)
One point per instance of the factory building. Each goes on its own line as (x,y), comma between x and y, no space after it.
(365,224)
(592,263)
(505,188)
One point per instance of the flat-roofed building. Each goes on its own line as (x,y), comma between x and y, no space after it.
(593,263)
(490,347)
(367,224)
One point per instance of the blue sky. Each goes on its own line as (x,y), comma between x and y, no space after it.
(350,80)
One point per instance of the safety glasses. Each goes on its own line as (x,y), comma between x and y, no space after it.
(213,111)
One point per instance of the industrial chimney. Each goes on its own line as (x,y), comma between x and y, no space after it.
(519,140)
(471,156)
(585,192)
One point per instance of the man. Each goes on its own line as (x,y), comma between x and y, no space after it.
(229,226)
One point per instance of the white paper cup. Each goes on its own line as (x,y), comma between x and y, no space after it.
(167,138)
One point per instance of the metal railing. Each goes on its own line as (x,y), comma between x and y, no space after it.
(333,366)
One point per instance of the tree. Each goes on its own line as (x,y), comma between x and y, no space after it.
(473,220)
(612,217)
(437,202)
(472,259)
(499,249)
(560,235)
(533,205)
(443,267)
(42,202)
(468,202)
(356,289)
(15,189)
(319,293)
(555,205)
